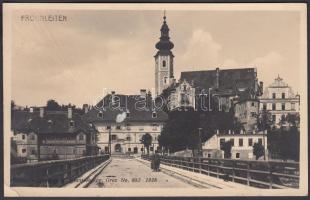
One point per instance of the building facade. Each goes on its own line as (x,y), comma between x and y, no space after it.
(246,110)
(242,145)
(126,121)
(163,60)
(279,99)
(47,135)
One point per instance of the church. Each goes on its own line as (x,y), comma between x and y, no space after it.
(218,89)
(225,89)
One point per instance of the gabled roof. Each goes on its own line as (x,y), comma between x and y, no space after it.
(53,122)
(128,103)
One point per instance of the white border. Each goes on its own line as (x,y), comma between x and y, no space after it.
(14,191)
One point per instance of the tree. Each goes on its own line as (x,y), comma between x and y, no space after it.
(146,140)
(264,121)
(293,119)
(284,143)
(181,129)
(282,121)
(52,105)
(258,150)
(226,147)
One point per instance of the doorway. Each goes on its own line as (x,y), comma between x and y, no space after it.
(118,148)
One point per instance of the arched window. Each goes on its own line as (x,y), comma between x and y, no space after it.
(164,63)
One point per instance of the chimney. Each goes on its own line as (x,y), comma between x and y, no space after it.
(31,109)
(143,92)
(42,112)
(69,113)
(217,77)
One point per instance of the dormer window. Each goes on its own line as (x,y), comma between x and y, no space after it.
(184,87)
(50,122)
(127,114)
(154,114)
(71,123)
(100,114)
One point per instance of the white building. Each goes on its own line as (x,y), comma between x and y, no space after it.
(242,145)
(279,99)
(139,117)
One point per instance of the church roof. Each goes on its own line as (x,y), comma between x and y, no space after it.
(128,104)
(164,45)
(228,79)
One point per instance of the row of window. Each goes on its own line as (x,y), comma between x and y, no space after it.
(282,106)
(31,137)
(141,128)
(71,123)
(135,149)
(240,141)
(282,95)
(128,138)
(101,115)
(32,151)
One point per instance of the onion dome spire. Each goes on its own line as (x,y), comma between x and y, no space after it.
(164,43)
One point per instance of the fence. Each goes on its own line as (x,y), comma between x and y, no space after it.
(54,173)
(262,174)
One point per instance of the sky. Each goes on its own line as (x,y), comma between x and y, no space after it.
(74,61)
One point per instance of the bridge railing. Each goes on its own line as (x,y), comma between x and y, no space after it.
(54,173)
(262,174)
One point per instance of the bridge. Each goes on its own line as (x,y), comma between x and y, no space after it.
(175,172)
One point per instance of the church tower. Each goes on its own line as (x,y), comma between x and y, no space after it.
(163,60)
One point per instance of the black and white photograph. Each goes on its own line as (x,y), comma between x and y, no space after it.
(155,99)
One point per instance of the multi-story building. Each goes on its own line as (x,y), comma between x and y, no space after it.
(246,110)
(24,142)
(126,118)
(48,135)
(242,144)
(279,99)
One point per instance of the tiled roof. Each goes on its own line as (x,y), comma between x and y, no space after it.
(53,122)
(230,79)
(20,120)
(128,103)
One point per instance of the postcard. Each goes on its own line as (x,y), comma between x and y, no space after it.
(155,99)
